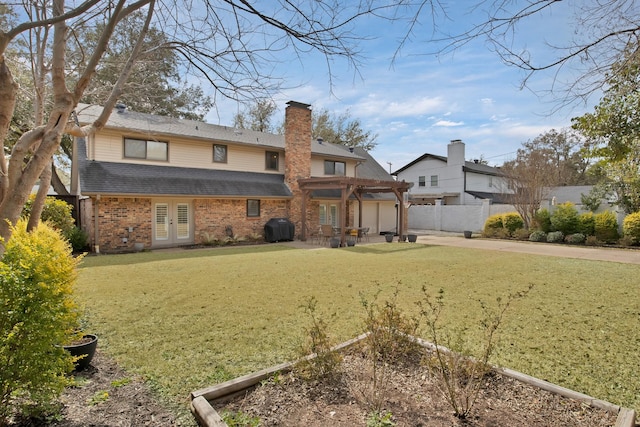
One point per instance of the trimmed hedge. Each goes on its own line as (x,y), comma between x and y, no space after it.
(631,228)
(606,227)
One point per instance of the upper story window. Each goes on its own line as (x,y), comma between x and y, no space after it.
(434,180)
(143,149)
(334,168)
(490,181)
(422,181)
(219,153)
(272,158)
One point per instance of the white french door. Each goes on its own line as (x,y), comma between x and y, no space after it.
(172,223)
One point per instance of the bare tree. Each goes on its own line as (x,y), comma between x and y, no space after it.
(230,43)
(529,177)
(601,31)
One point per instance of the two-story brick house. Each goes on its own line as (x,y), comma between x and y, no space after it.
(160,182)
(452,180)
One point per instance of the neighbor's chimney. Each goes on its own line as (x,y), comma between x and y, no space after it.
(455,152)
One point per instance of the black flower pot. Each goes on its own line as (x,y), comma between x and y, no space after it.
(467,234)
(84,349)
(335,243)
(388,237)
(412,238)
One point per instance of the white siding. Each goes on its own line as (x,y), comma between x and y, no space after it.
(108,146)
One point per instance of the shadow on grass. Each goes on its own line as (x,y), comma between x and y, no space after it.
(384,249)
(93,260)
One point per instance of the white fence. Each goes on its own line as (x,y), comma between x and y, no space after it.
(458,218)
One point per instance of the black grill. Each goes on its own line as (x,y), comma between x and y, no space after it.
(278,229)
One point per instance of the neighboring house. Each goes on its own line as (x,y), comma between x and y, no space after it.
(161,182)
(452,180)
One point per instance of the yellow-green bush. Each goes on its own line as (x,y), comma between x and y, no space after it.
(631,228)
(494,222)
(502,225)
(37,316)
(606,227)
(587,224)
(565,218)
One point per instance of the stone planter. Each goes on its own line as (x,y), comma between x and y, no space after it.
(467,234)
(412,238)
(351,242)
(388,237)
(85,349)
(334,242)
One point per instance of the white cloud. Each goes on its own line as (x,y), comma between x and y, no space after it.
(447,123)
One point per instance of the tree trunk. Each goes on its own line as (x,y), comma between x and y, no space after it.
(8,91)
(41,198)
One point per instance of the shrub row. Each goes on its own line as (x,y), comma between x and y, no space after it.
(565,224)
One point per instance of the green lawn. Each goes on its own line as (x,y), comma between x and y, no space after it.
(189,319)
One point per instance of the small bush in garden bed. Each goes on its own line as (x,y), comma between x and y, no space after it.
(591,241)
(538,236)
(606,227)
(565,218)
(631,228)
(575,239)
(494,222)
(522,234)
(555,237)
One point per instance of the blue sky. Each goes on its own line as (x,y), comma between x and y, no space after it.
(422,102)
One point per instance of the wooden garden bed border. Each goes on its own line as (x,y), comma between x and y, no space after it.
(208,417)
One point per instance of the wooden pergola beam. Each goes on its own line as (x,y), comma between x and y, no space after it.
(357,187)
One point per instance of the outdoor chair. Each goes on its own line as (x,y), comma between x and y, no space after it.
(327,232)
(364,233)
(314,234)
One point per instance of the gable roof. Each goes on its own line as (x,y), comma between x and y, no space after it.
(131,121)
(468,166)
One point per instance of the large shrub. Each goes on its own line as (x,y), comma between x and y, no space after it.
(57,213)
(587,224)
(492,225)
(542,220)
(631,228)
(606,227)
(38,314)
(512,221)
(565,218)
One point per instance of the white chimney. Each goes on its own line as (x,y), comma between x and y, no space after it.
(455,152)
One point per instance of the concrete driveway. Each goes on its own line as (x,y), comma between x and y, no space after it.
(629,256)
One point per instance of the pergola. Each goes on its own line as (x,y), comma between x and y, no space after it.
(349,186)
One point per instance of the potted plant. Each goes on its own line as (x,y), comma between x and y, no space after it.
(467,234)
(334,242)
(388,237)
(412,238)
(84,349)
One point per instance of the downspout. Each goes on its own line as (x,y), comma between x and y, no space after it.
(96,231)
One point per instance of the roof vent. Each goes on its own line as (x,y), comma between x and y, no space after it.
(476,161)
(351,149)
(320,140)
(121,108)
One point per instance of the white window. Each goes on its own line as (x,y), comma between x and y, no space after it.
(253,208)
(334,168)
(182,228)
(220,153)
(272,158)
(162,221)
(422,181)
(149,150)
(434,180)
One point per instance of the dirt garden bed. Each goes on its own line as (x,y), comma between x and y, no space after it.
(279,397)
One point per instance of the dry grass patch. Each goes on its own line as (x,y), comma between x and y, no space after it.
(189,319)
